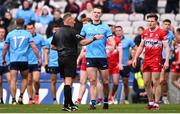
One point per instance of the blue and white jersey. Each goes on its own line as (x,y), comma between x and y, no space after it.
(170,36)
(53,54)
(18,41)
(96,49)
(39,42)
(127,43)
(27,15)
(7,55)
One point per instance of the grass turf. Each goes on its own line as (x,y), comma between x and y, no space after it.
(120,108)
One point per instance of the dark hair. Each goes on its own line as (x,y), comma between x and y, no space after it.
(2,27)
(167,20)
(152,15)
(119,27)
(66,15)
(98,7)
(57,10)
(20,22)
(178,30)
(141,27)
(55,25)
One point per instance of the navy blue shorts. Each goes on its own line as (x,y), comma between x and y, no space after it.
(52,70)
(19,66)
(34,67)
(4,69)
(100,63)
(125,72)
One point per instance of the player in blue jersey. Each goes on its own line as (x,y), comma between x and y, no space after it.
(96,57)
(51,63)
(34,67)
(127,43)
(17,43)
(3,69)
(165,73)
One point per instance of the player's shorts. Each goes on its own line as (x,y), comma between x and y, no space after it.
(19,66)
(53,70)
(125,72)
(83,64)
(100,63)
(113,68)
(67,66)
(4,69)
(34,67)
(170,62)
(175,68)
(152,67)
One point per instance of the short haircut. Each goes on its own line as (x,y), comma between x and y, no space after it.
(20,22)
(86,19)
(31,23)
(98,7)
(66,15)
(119,27)
(57,10)
(167,20)
(178,30)
(141,27)
(55,25)
(152,15)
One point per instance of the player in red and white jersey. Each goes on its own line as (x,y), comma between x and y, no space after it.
(153,38)
(114,64)
(175,67)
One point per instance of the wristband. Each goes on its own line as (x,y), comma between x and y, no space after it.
(94,38)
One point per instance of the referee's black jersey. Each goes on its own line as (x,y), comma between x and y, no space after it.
(66,42)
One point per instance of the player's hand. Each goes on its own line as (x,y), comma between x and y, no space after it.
(98,36)
(120,66)
(129,62)
(3,62)
(39,61)
(46,68)
(166,65)
(134,63)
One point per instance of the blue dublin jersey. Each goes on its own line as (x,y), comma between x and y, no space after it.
(18,41)
(7,55)
(96,49)
(39,42)
(53,55)
(170,36)
(127,43)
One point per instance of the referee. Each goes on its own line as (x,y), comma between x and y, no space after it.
(65,41)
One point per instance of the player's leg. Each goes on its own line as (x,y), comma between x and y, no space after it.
(24,75)
(92,76)
(148,87)
(53,87)
(36,85)
(99,89)
(115,85)
(175,77)
(13,82)
(82,88)
(30,87)
(157,87)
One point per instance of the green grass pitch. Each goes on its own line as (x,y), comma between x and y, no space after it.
(120,108)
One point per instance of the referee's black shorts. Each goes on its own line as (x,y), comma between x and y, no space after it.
(67,66)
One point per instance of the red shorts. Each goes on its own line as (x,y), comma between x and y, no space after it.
(152,67)
(113,68)
(83,64)
(175,68)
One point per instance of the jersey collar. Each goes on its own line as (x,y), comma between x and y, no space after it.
(96,24)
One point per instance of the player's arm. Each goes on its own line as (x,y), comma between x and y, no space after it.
(4,52)
(166,46)
(86,41)
(81,55)
(120,50)
(33,46)
(138,52)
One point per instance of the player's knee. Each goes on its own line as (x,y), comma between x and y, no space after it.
(164,82)
(93,82)
(147,83)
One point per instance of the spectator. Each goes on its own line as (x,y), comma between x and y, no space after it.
(72,7)
(137,39)
(8,21)
(56,19)
(115,6)
(172,5)
(101,3)
(138,6)
(87,11)
(138,94)
(26,12)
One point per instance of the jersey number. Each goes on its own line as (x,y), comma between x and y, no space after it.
(18,40)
